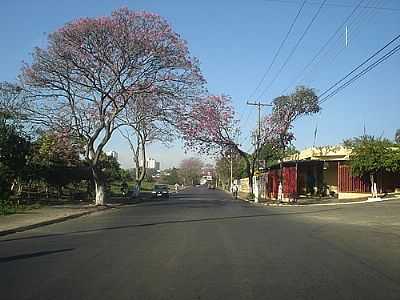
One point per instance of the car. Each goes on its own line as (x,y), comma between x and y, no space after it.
(161,190)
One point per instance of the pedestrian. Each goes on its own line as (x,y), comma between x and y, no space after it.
(235,190)
(176,187)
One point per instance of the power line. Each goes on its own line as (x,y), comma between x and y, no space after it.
(337,5)
(274,58)
(327,43)
(360,65)
(294,48)
(361,73)
(279,48)
(356,23)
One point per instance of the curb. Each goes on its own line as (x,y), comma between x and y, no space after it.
(330,204)
(51,221)
(314,204)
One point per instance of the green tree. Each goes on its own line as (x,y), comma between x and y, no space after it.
(14,149)
(370,156)
(172,177)
(223,168)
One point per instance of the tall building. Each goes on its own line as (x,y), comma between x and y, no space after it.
(151,164)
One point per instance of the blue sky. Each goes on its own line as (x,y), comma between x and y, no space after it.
(235,42)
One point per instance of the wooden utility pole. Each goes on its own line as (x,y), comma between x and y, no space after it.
(259,105)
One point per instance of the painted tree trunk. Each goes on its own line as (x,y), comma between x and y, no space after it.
(139,155)
(374,190)
(99,187)
(100,193)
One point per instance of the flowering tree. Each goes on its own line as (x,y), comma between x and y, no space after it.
(145,121)
(286,110)
(212,128)
(93,67)
(277,127)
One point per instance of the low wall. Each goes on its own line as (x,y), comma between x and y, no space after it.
(244,185)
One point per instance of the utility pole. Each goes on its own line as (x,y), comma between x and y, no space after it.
(259,105)
(231,170)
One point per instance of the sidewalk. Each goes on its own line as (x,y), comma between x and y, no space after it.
(29,219)
(316,201)
(50,214)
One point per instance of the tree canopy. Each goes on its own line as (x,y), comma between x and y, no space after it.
(371,155)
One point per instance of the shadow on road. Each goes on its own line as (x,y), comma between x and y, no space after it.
(30,255)
(172,222)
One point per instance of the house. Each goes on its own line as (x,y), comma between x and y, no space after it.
(322,172)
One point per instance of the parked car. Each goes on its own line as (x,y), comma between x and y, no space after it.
(161,190)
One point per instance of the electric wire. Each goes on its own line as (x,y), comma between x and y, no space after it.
(360,65)
(279,49)
(355,26)
(338,5)
(326,44)
(294,48)
(274,58)
(360,74)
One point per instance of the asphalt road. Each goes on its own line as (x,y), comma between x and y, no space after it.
(203,245)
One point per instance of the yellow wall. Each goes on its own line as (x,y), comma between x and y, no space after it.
(331,176)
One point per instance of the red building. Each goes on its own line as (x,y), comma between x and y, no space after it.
(322,172)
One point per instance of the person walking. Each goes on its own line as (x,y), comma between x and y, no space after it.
(176,187)
(235,190)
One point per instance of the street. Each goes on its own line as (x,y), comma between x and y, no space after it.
(201,244)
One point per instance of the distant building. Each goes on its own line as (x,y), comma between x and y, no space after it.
(113,154)
(151,164)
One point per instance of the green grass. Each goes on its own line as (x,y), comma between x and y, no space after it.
(147,186)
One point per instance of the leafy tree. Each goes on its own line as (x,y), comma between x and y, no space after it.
(12,104)
(93,67)
(223,168)
(57,149)
(172,177)
(285,111)
(14,149)
(110,167)
(370,156)
(212,127)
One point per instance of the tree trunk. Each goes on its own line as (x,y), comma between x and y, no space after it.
(373,187)
(99,187)
(100,193)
